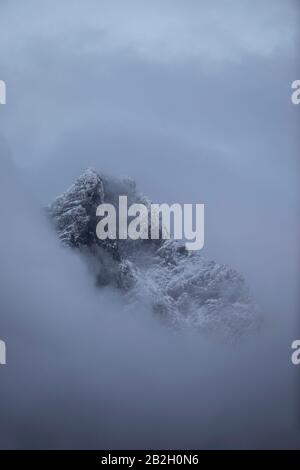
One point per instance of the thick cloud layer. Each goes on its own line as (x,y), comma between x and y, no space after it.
(85,370)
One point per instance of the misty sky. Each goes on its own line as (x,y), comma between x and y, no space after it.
(214,74)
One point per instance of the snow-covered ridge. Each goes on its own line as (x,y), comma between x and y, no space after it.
(183,288)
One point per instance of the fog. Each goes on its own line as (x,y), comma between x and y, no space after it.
(194,103)
(85,370)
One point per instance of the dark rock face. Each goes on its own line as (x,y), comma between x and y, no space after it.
(74,211)
(182,287)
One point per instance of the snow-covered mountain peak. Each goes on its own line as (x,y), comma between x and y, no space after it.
(182,288)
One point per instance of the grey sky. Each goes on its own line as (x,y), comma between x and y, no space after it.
(201,74)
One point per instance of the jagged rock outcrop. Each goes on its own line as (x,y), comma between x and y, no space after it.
(183,288)
(74,212)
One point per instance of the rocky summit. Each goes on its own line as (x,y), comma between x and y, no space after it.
(183,288)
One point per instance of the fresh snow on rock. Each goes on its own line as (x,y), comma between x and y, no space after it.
(183,288)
